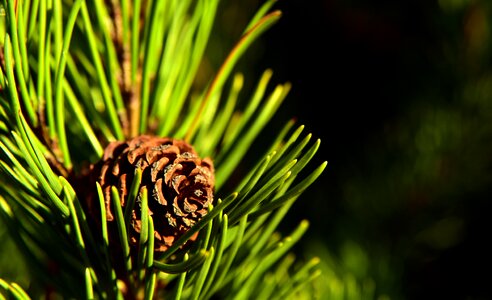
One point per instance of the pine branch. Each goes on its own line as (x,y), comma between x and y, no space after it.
(80,80)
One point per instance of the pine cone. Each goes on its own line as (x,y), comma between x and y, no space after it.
(180,184)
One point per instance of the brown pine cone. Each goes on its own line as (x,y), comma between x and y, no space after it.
(179,183)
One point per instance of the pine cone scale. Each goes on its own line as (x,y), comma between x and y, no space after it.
(157,168)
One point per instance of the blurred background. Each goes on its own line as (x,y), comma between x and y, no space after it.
(400,94)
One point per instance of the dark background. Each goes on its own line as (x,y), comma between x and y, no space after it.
(399,92)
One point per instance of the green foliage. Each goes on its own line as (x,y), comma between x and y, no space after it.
(76,75)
